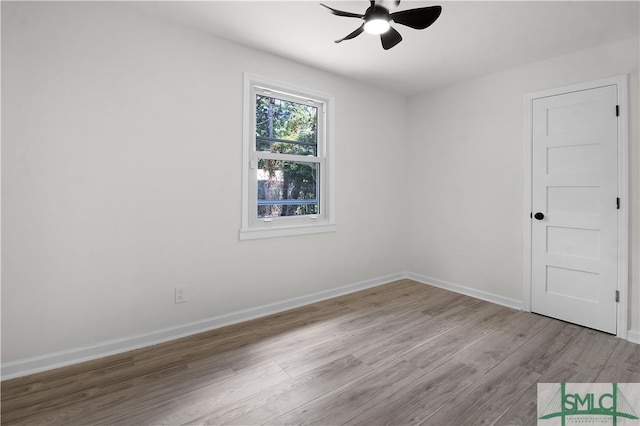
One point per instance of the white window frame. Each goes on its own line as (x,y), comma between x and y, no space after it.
(253,227)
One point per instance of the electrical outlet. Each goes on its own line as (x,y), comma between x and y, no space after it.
(181,294)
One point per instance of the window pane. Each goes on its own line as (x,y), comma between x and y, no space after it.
(286,127)
(287,188)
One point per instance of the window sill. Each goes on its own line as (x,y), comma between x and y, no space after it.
(286,231)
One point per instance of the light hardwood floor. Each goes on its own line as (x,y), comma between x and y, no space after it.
(401,353)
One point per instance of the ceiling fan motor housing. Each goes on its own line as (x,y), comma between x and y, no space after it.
(376,12)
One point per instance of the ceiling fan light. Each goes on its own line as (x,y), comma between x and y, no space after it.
(377,26)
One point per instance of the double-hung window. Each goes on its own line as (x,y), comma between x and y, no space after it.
(288,153)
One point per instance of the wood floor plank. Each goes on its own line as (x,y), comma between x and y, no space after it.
(249,349)
(589,351)
(378,296)
(33,389)
(400,353)
(382,325)
(618,372)
(389,347)
(486,400)
(184,407)
(524,410)
(83,388)
(628,353)
(353,398)
(486,353)
(467,332)
(278,400)
(489,351)
(544,349)
(302,333)
(308,336)
(421,399)
(137,391)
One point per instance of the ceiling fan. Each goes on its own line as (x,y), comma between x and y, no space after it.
(377,20)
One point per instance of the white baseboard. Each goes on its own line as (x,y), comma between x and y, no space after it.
(478,294)
(38,364)
(23,367)
(633,336)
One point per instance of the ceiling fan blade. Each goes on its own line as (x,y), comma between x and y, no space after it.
(418,19)
(342,13)
(354,34)
(390,38)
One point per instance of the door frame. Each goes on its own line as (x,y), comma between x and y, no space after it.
(621,82)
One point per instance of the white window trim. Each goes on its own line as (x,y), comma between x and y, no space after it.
(253,228)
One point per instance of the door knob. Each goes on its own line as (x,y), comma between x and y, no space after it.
(539,216)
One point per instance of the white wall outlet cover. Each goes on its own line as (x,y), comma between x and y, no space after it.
(180,294)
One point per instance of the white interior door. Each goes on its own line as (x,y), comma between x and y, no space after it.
(574,229)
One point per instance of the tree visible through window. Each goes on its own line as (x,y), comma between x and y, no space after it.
(286,188)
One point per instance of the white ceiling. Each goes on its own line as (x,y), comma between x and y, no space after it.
(470,39)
